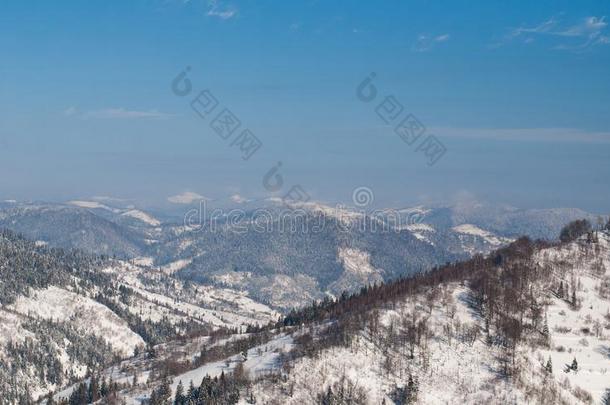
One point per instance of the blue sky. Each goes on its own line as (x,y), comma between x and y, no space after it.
(519,94)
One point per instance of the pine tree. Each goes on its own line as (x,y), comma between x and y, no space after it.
(161,395)
(153,400)
(545,330)
(574,297)
(412,389)
(179,399)
(574,365)
(205,390)
(191,395)
(104,387)
(549,366)
(488,338)
(560,293)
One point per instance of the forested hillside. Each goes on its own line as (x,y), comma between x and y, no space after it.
(528,323)
(65,314)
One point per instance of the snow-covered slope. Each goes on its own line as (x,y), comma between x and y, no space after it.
(358,270)
(433,344)
(475,239)
(219,307)
(580,330)
(454,360)
(142,216)
(89,316)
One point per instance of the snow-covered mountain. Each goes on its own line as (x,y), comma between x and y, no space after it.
(150,319)
(528,324)
(88,226)
(66,313)
(288,263)
(552,352)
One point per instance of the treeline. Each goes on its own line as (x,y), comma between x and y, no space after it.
(95,389)
(508,288)
(212,353)
(222,390)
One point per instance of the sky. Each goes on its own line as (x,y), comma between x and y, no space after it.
(515,97)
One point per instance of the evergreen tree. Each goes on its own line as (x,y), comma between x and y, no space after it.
(574,365)
(162,395)
(412,389)
(574,297)
(104,389)
(545,330)
(205,390)
(549,366)
(191,395)
(179,399)
(560,293)
(153,400)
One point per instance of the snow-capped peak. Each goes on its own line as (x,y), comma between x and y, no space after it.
(187,197)
(89,204)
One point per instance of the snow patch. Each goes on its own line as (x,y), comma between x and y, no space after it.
(356,261)
(142,216)
(89,204)
(473,230)
(178,265)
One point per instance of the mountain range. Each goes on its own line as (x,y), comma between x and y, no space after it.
(93,294)
(277,265)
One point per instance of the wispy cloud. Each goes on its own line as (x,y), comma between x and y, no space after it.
(116,113)
(581,35)
(218,10)
(542,28)
(426,42)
